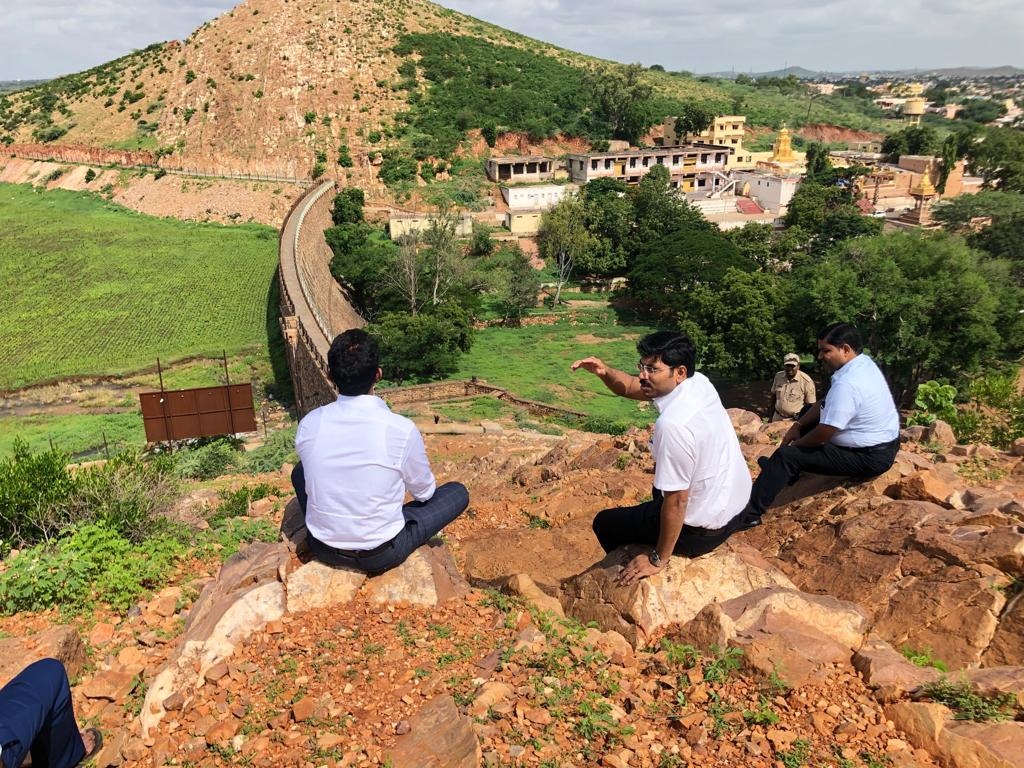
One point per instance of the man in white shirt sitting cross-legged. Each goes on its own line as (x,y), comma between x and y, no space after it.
(854,431)
(357,460)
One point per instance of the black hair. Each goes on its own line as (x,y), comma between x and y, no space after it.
(838,334)
(353,361)
(671,347)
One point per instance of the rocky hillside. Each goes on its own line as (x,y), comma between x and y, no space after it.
(261,88)
(865,624)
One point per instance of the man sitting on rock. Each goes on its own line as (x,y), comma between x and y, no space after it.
(701,481)
(792,391)
(853,431)
(357,461)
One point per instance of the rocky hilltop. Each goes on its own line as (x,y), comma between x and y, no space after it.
(260,89)
(865,624)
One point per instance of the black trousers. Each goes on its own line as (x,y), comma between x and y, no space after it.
(785,465)
(640,524)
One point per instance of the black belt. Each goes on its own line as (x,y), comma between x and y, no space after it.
(873,448)
(695,530)
(358,553)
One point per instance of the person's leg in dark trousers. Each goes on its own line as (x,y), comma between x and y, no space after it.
(36,716)
(425,519)
(641,524)
(638,524)
(299,484)
(786,464)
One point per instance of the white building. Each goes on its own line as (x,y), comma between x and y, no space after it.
(772,192)
(538,197)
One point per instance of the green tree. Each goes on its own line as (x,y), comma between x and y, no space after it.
(668,268)
(482,244)
(564,239)
(828,215)
(956,213)
(922,301)
(608,215)
(695,117)
(423,346)
(623,100)
(360,265)
(980,110)
(999,159)
(522,282)
(819,166)
(659,209)
(348,206)
(915,140)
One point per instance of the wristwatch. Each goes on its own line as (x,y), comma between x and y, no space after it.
(655,558)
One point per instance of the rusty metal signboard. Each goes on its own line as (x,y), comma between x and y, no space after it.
(201,412)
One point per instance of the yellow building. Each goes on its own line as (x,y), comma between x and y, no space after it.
(725,131)
(914,106)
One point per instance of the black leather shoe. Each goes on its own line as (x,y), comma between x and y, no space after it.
(750,522)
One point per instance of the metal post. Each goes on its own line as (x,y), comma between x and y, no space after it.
(163,407)
(106,448)
(227,379)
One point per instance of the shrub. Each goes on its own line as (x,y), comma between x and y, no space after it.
(373,137)
(236,503)
(318,170)
(127,494)
(604,425)
(396,168)
(278,448)
(968,705)
(344,156)
(160,173)
(34,490)
(90,175)
(189,77)
(309,117)
(207,460)
(934,400)
(93,564)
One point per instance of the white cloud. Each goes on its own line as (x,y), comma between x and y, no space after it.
(43,38)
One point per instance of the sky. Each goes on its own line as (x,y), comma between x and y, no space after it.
(46,38)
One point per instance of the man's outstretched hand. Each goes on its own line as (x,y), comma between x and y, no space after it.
(640,567)
(594,365)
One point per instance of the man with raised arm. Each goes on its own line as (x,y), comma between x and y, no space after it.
(357,461)
(701,482)
(854,431)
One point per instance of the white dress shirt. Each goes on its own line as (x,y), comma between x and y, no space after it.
(859,404)
(696,449)
(359,459)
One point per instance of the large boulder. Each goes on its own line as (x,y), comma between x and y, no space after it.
(908,564)
(242,599)
(793,634)
(548,555)
(61,643)
(957,743)
(674,596)
(1007,645)
(428,577)
(439,736)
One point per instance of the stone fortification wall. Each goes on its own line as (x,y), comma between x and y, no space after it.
(453,390)
(313,308)
(81,154)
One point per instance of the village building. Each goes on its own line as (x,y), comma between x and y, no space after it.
(520,169)
(537,197)
(890,187)
(724,131)
(403,224)
(771,191)
(692,168)
(527,203)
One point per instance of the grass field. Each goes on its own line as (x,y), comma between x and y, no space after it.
(533,362)
(80,435)
(91,288)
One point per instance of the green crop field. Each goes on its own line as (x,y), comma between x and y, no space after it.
(533,362)
(80,435)
(91,288)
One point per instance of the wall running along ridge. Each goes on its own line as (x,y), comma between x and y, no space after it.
(313,308)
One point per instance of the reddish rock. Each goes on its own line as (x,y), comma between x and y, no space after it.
(101,634)
(111,685)
(60,642)
(440,737)
(303,709)
(223,731)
